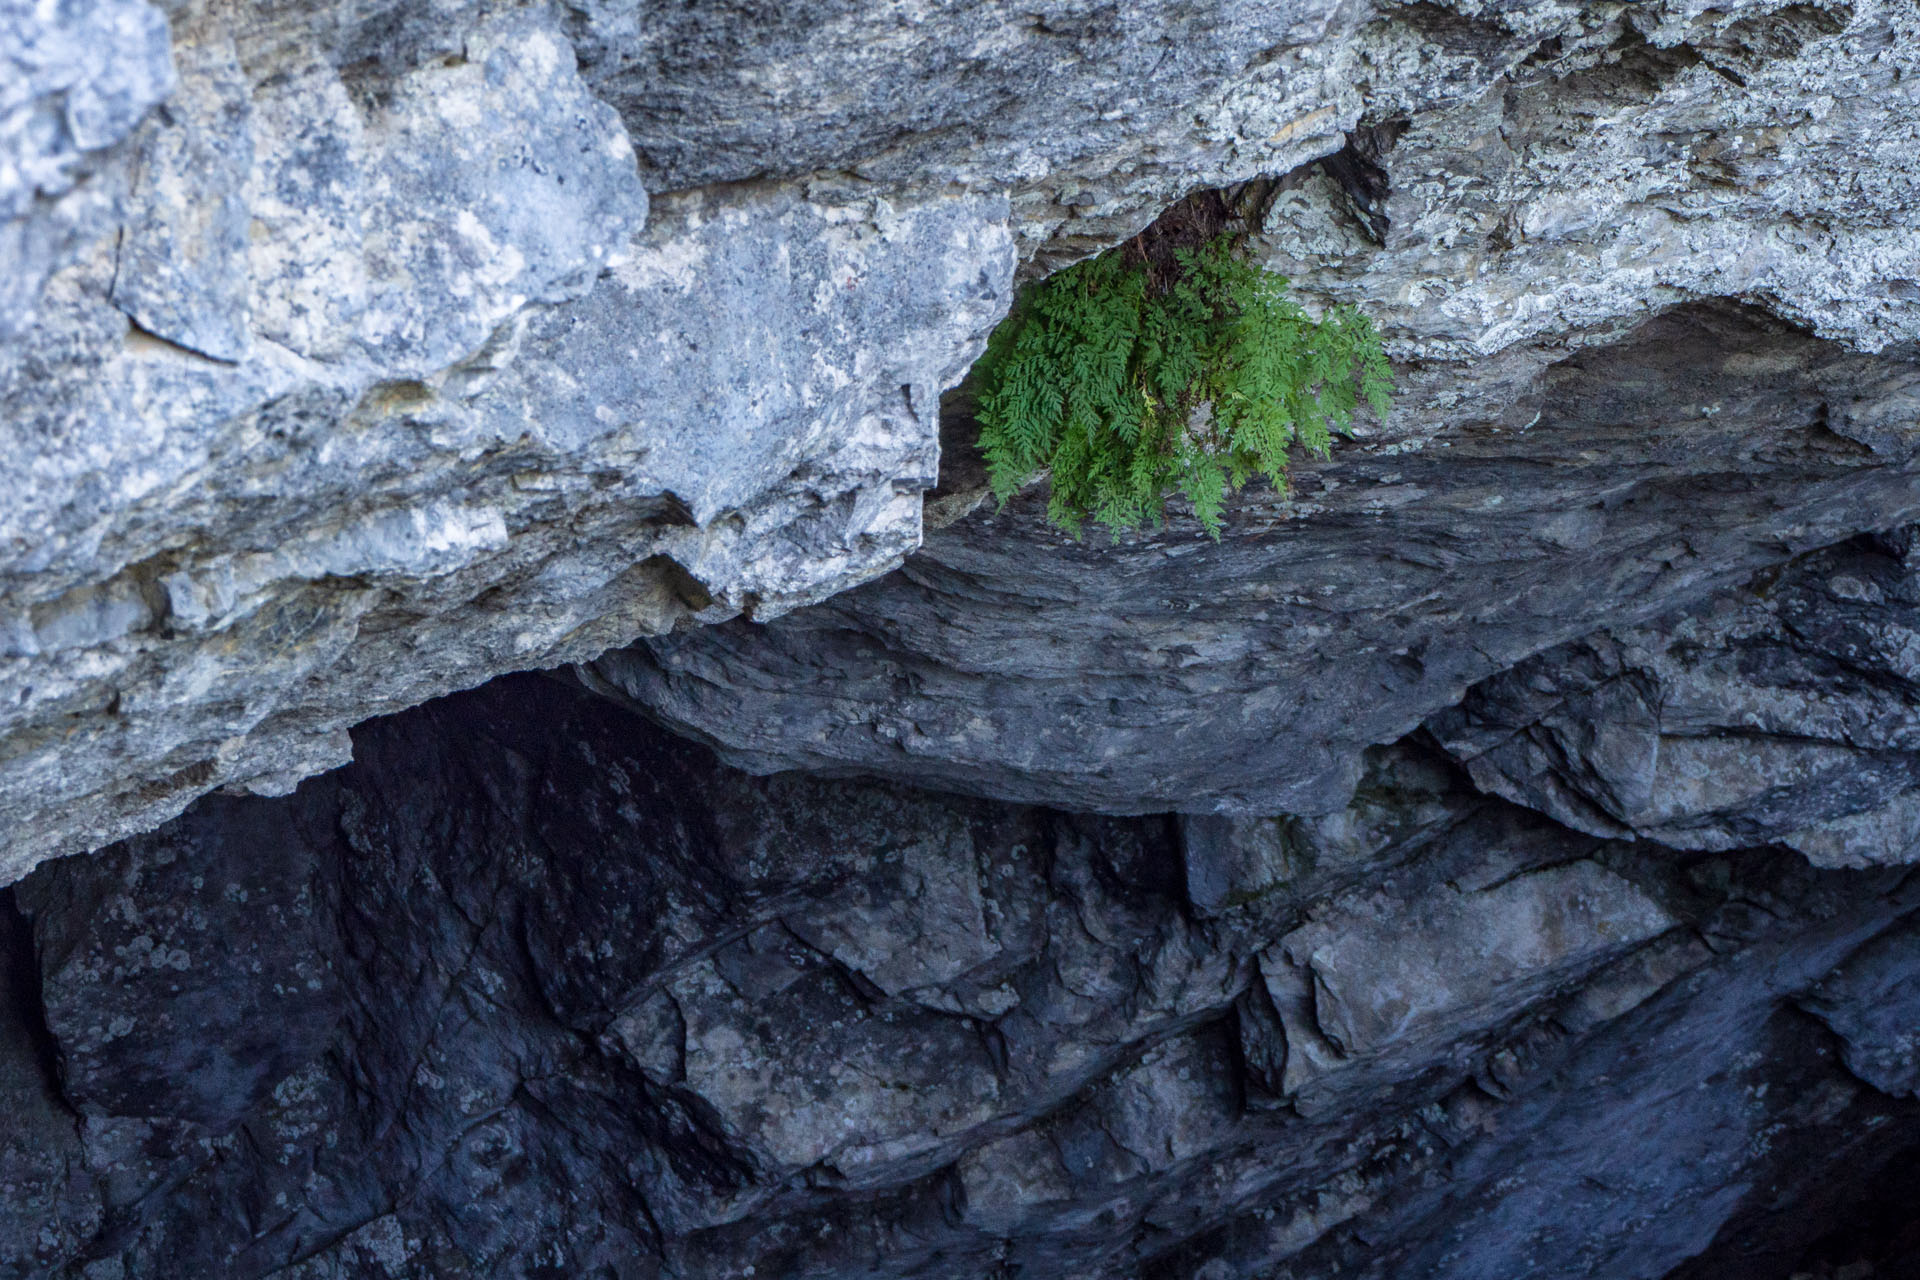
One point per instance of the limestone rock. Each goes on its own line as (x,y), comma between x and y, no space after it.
(532,985)
(1872,1002)
(1488,860)
(1168,671)
(1369,986)
(50,1201)
(309,424)
(1523,192)
(1780,712)
(439,400)
(77,79)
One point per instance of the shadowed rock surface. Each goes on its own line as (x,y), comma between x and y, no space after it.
(533,988)
(1782,713)
(1167,671)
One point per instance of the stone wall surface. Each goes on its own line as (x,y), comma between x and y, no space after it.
(1168,671)
(363,351)
(1491,858)
(1557,460)
(1782,713)
(533,988)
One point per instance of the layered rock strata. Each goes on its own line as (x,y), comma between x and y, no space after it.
(532,988)
(1783,713)
(1170,672)
(380,386)
(350,360)
(1489,859)
(1557,461)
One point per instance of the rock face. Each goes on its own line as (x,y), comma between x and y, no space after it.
(359,369)
(384,360)
(1170,672)
(351,362)
(1557,461)
(1780,714)
(1491,859)
(533,988)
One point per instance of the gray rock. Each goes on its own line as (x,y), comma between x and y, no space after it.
(1095,116)
(590,1002)
(181,272)
(49,1198)
(739,417)
(253,418)
(1166,671)
(1524,191)
(1404,799)
(395,346)
(340,388)
(1638,158)
(75,80)
(141,950)
(1872,1002)
(1372,984)
(1783,711)
(1686,1086)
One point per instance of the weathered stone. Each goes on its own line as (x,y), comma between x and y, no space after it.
(588,1000)
(260,391)
(1562,1178)
(1373,984)
(181,270)
(1872,1002)
(75,79)
(668,479)
(1639,158)
(341,388)
(354,353)
(143,949)
(1167,671)
(1587,170)
(1404,799)
(49,1198)
(1783,711)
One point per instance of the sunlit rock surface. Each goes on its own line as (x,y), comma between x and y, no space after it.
(386,381)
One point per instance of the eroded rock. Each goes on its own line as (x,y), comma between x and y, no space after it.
(1375,982)
(1782,711)
(1167,671)
(549,988)
(321,383)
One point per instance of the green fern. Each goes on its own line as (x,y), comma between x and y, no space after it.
(1126,391)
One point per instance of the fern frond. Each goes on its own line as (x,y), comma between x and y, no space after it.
(1126,393)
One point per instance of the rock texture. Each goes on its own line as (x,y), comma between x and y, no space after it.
(385,382)
(1558,461)
(352,362)
(1170,672)
(1489,860)
(532,988)
(1781,713)
(356,369)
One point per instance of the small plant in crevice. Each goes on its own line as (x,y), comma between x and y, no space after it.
(1168,363)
